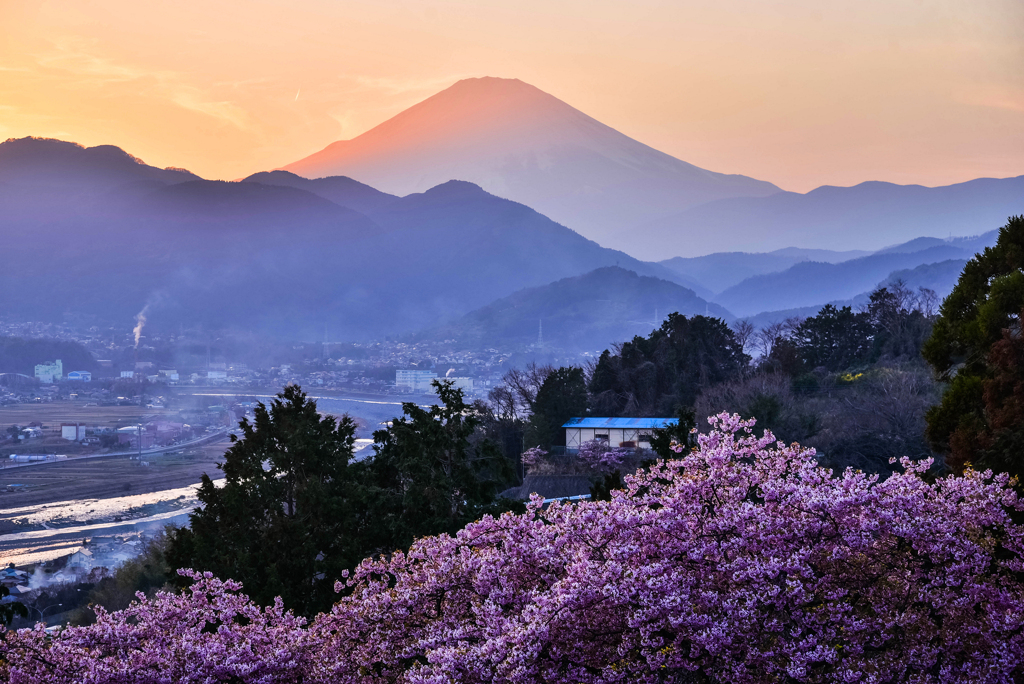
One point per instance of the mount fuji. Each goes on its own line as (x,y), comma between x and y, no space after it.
(523,144)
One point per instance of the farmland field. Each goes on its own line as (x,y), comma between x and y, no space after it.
(51,415)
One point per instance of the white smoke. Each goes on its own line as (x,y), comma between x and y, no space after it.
(38,580)
(140,321)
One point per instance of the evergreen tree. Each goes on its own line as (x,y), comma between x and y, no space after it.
(966,349)
(430,475)
(654,375)
(562,396)
(10,609)
(288,519)
(900,325)
(834,339)
(681,433)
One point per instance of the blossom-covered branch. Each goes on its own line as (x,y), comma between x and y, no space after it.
(741,561)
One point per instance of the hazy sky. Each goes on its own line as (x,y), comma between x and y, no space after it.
(798,92)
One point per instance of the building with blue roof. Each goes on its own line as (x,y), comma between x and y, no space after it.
(617,432)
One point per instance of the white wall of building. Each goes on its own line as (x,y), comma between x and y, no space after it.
(50,372)
(415,380)
(574,437)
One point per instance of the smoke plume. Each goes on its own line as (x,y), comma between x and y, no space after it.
(140,321)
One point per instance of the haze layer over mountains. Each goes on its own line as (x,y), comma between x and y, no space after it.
(278,259)
(96,231)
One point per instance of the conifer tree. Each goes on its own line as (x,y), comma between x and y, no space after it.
(287,520)
(974,347)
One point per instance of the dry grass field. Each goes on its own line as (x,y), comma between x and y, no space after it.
(53,414)
(57,412)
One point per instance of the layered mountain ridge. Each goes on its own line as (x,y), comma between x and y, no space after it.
(282,257)
(521,143)
(582,313)
(289,256)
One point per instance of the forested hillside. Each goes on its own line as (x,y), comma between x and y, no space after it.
(20,355)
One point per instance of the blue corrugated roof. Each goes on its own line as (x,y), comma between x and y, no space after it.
(618,423)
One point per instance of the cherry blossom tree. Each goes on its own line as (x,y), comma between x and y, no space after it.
(533,456)
(599,456)
(743,560)
(208,633)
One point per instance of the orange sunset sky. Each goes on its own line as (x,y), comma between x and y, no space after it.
(797,92)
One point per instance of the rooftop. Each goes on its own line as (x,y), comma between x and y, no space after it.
(621,423)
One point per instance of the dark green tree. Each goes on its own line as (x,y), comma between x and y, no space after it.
(11,609)
(982,310)
(562,396)
(900,327)
(651,376)
(289,517)
(834,339)
(431,474)
(784,358)
(680,432)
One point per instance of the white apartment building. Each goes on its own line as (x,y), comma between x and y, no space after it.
(50,372)
(415,380)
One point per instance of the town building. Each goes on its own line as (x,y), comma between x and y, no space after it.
(130,435)
(80,562)
(617,432)
(464,384)
(11,577)
(30,433)
(83,376)
(415,380)
(48,373)
(73,432)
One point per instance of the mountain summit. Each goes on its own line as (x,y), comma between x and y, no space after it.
(519,142)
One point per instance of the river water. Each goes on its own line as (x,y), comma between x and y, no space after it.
(57,528)
(370,410)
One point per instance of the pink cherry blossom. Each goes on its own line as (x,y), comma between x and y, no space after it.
(533,456)
(741,561)
(599,456)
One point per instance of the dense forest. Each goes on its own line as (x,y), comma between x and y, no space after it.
(19,355)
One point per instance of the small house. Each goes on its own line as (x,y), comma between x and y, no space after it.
(30,433)
(80,561)
(73,432)
(616,432)
(11,576)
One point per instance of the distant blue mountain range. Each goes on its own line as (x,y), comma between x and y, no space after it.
(96,230)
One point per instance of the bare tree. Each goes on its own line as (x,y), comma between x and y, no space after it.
(502,403)
(744,331)
(522,386)
(927,301)
(766,338)
(791,325)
